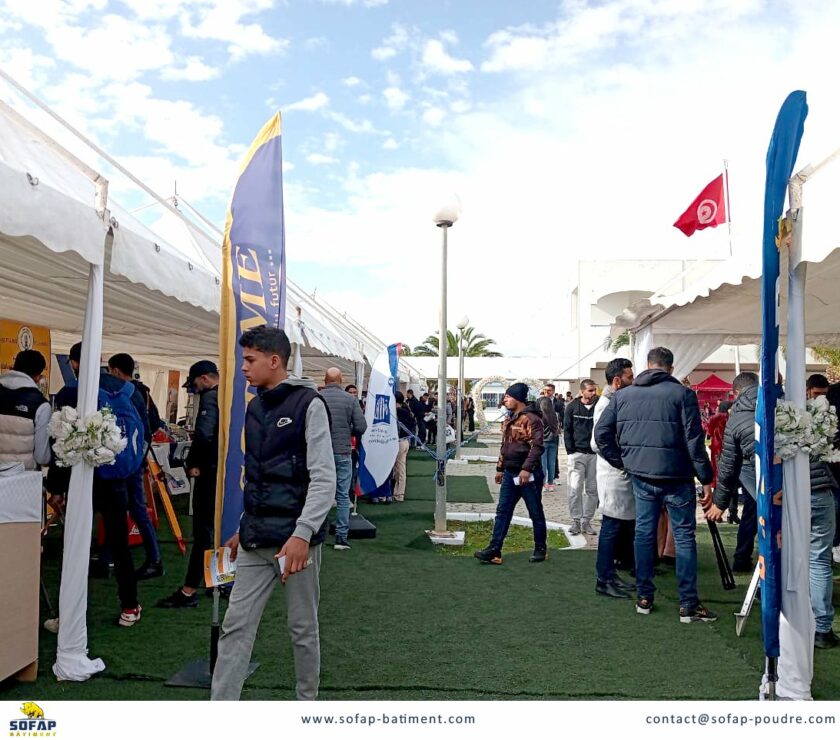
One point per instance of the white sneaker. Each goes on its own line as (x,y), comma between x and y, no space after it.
(835,554)
(130,617)
(51,625)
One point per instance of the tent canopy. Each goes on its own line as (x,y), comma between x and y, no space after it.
(712,384)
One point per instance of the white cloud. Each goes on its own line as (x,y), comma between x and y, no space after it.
(316,43)
(319,159)
(390,143)
(315,102)
(288,166)
(351,81)
(364,3)
(434,116)
(364,99)
(437,59)
(194,70)
(332,142)
(393,44)
(395,98)
(460,106)
(363,126)
(221,20)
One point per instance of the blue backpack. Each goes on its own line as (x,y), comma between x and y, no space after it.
(128,420)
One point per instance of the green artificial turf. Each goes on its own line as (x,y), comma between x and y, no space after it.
(519,538)
(398,621)
(462,489)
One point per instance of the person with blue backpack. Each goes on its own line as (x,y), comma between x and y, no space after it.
(110,490)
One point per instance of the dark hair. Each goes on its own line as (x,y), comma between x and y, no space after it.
(817,381)
(661,357)
(123,362)
(615,368)
(551,385)
(724,406)
(744,381)
(76,352)
(410,391)
(348,387)
(400,397)
(30,362)
(587,382)
(269,341)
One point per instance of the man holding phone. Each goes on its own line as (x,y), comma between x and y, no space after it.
(289,488)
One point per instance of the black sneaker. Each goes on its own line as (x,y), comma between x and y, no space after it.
(644,606)
(608,588)
(149,570)
(178,600)
(733,519)
(825,640)
(623,585)
(341,543)
(745,567)
(698,613)
(538,556)
(489,555)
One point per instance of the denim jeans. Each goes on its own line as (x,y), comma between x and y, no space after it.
(822,535)
(607,541)
(681,502)
(747,530)
(509,496)
(343,476)
(549,457)
(140,515)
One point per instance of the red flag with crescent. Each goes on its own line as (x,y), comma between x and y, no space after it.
(707,210)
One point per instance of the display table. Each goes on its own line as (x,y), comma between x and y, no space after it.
(21,504)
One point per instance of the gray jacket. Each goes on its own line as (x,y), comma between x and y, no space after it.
(346,418)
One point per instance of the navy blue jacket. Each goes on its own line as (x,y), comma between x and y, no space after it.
(652,430)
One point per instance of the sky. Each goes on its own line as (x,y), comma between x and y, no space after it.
(570,131)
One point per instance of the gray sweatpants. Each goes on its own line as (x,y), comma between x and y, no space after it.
(583,488)
(255,580)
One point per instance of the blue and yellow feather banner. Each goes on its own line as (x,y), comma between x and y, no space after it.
(253,294)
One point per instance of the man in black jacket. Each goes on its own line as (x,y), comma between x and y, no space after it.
(652,430)
(202,465)
(289,488)
(577,436)
(736,467)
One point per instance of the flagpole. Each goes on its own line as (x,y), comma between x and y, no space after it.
(728,211)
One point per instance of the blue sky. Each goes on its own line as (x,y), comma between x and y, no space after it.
(570,130)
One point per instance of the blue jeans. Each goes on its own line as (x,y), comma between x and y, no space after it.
(343,476)
(822,535)
(681,501)
(549,458)
(140,515)
(607,541)
(509,496)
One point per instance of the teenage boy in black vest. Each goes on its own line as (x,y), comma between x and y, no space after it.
(289,488)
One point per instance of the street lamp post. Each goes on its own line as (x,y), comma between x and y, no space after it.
(444,218)
(462,324)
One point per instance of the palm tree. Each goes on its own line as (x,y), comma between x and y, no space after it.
(831,355)
(622,340)
(475,345)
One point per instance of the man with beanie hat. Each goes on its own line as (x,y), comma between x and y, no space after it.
(520,474)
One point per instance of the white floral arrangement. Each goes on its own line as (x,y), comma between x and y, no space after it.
(96,440)
(810,430)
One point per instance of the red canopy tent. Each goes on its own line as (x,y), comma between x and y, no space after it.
(712,390)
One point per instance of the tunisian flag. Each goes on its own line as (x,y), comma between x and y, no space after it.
(708,209)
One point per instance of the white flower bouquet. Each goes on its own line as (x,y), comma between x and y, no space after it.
(96,440)
(811,430)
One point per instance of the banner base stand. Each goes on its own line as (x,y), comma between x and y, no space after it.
(196,675)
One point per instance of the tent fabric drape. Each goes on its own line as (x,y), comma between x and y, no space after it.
(72,662)
(689,350)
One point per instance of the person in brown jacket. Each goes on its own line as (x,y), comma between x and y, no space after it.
(520,474)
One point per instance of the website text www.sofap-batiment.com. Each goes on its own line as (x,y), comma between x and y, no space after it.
(387,719)
(755,720)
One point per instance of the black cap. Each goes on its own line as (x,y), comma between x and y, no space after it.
(202,367)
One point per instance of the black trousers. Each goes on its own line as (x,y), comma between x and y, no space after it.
(204,512)
(110,499)
(747,530)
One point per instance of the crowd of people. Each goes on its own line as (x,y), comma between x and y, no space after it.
(637,449)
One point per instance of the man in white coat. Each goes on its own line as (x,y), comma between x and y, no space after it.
(615,492)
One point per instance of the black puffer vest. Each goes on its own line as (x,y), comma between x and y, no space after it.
(276,476)
(23,402)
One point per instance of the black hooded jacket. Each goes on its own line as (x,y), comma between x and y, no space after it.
(652,430)
(736,465)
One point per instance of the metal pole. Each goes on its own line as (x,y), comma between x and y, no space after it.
(460,397)
(737,360)
(440,480)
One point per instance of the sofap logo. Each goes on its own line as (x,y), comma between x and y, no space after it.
(35,724)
